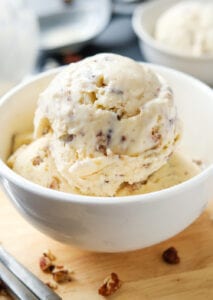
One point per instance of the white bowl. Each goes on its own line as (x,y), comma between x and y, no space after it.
(119,223)
(70,26)
(144,20)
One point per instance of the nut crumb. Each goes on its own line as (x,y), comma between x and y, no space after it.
(36,161)
(123,138)
(110,286)
(170,256)
(51,285)
(109,136)
(59,267)
(198,162)
(156,136)
(99,134)
(50,255)
(55,184)
(46,264)
(61,276)
(67,138)
(102,149)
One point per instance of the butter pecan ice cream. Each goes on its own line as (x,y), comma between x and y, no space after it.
(106,120)
(187,28)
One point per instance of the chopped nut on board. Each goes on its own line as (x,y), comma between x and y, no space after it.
(50,255)
(61,276)
(110,286)
(53,286)
(46,264)
(170,256)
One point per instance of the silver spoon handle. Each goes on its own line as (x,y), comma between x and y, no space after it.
(16,287)
(41,290)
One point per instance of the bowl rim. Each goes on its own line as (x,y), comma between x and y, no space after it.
(53,195)
(146,37)
(102,27)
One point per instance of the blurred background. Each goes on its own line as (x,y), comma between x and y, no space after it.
(37,35)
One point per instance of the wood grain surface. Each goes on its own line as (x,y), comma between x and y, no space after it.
(145,276)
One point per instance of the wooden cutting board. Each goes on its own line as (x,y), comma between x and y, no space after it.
(145,276)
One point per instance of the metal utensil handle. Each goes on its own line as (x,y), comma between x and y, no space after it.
(14,285)
(40,289)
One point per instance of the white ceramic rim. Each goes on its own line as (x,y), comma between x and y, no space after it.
(11,176)
(147,38)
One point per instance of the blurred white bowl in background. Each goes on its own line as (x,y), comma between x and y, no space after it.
(70,25)
(144,20)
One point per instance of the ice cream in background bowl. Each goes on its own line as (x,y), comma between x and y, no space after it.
(177,34)
(107,164)
(187,28)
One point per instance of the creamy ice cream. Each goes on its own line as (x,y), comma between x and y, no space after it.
(106,120)
(187,28)
(178,169)
(35,162)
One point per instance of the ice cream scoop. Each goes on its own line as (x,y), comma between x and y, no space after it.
(111,120)
(187,27)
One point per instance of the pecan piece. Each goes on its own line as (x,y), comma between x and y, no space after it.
(46,264)
(36,161)
(99,134)
(67,138)
(59,267)
(110,286)
(123,138)
(109,136)
(51,285)
(156,136)
(102,149)
(170,256)
(198,162)
(55,184)
(61,276)
(49,255)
